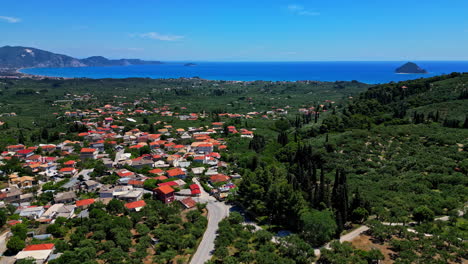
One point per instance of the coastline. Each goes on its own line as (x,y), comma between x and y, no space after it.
(369,72)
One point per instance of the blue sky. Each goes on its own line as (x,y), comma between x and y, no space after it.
(241,30)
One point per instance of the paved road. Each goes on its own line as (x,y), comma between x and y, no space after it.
(216,212)
(3,239)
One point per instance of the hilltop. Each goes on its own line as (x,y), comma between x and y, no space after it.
(27,57)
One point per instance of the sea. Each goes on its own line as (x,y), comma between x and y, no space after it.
(367,72)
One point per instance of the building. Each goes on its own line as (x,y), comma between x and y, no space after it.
(135,206)
(177,172)
(165,194)
(40,253)
(88,153)
(65,197)
(84,203)
(188,203)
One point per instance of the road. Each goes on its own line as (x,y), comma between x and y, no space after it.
(3,241)
(216,212)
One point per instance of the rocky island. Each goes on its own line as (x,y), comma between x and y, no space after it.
(190,64)
(410,67)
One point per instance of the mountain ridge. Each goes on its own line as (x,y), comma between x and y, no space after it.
(15,57)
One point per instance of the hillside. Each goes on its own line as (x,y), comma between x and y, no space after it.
(26,57)
(439,96)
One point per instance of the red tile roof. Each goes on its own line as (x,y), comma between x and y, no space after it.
(136,204)
(175,172)
(219,178)
(39,247)
(84,202)
(166,189)
(188,202)
(156,171)
(88,150)
(194,186)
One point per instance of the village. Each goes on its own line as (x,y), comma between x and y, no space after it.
(63,180)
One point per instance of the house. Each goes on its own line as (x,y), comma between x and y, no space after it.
(84,203)
(65,197)
(165,194)
(195,189)
(198,170)
(188,203)
(27,197)
(205,148)
(32,212)
(176,172)
(70,163)
(156,171)
(123,173)
(141,163)
(14,148)
(131,196)
(135,183)
(218,178)
(135,206)
(25,153)
(21,182)
(59,210)
(91,185)
(88,153)
(99,145)
(39,252)
(67,171)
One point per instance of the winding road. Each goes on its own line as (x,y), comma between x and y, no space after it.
(217,211)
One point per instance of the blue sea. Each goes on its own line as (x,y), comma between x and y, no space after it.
(367,72)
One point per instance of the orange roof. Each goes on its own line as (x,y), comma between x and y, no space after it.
(67,169)
(175,172)
(161,178)
(136,204)
(84,202)
(166,189)
(135,182)
(39,247)
(156,171)
(87,150)
(219,178)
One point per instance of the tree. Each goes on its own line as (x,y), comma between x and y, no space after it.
(3,217)
(56,230)
(293,247)
(317,227)
(115,207)
(28,260)
(423,214)
(15,244)
(19,230)
(45,134)
(142,229)
(359,215)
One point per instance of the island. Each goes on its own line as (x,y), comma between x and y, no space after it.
(190,64)
(410,67)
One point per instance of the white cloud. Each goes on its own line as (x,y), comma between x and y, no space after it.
(158,36)
(301,11)
(10,19)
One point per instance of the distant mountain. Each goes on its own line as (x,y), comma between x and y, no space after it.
(25,57)
(410,67)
